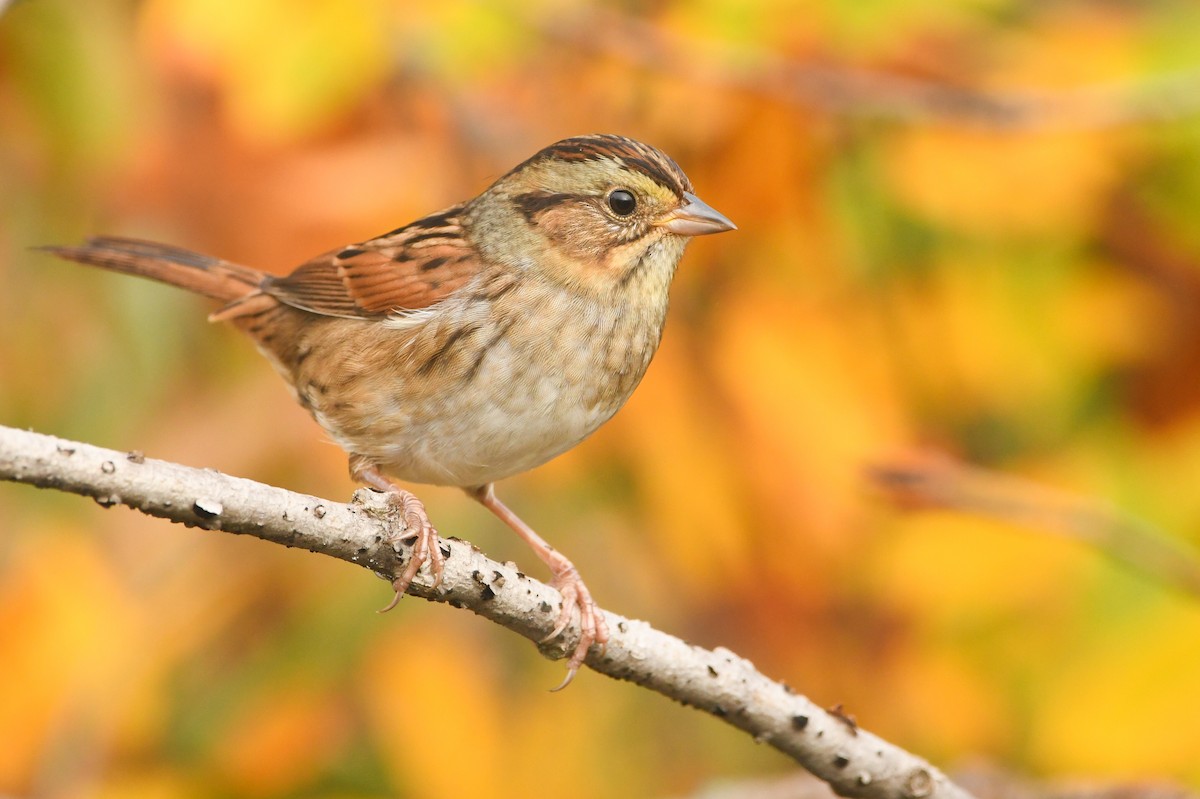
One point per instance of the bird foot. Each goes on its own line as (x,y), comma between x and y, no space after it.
(592,627)
(419,530)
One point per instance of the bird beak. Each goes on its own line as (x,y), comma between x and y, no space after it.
(695,218)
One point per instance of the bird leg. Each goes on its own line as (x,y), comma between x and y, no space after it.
(417,527)
(592,627)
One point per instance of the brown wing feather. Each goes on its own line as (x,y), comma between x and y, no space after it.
(407,269)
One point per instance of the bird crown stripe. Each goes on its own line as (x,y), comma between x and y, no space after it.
(629,153)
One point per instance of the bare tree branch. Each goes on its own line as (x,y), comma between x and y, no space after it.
(853,761)
(849,92)
(985,781)
(933,481)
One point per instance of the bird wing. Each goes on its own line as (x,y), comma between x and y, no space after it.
(409,268)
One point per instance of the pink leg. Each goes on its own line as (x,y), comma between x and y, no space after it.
(592,627)
(417,527)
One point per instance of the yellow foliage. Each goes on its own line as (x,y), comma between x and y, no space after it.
(698,502)
(64,627)
(815,405)
(975,335)
(283,738)
(1128,707)
(1070,46)
(151,783)
(1003,183)
(999,184)
(939,695)
(945,567)
(431,693)
(424,686)
(284,71)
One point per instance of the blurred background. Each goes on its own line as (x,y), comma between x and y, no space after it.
(966,228)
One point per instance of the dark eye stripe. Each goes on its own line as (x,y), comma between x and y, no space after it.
(536,202)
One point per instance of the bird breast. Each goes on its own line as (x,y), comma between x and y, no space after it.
(495,380)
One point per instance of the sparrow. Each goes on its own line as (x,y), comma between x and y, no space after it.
(475,343)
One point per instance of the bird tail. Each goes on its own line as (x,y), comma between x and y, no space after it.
(201,274)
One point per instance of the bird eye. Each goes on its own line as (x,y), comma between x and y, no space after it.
(622,202)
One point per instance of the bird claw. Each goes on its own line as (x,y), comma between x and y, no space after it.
(425,544)
(592,627)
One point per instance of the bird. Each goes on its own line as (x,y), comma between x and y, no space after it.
(475,343)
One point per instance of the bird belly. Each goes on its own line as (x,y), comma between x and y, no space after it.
(476,441)
(436,405)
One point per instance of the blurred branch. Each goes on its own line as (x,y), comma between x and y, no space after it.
(985,782)
(846,91)
(854,762)
(931,481)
